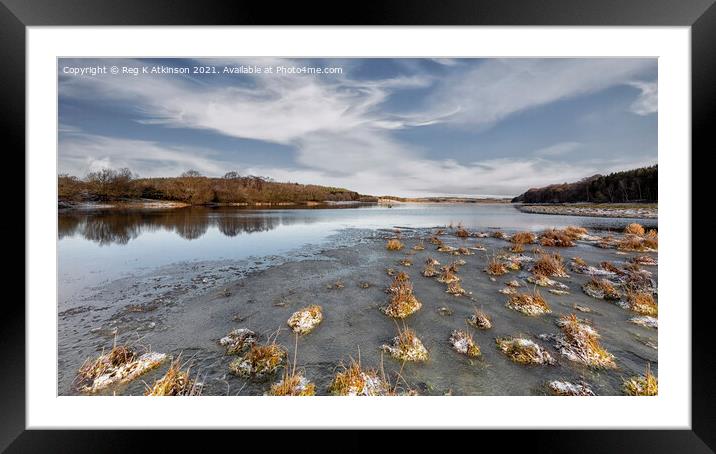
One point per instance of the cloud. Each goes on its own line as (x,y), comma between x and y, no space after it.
(648,100)
(83,153)
(557,149)
(498,88)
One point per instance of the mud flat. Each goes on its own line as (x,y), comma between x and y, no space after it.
(596,210)
(187,309)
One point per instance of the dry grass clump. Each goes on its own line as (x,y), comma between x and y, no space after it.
(355,381)
(448,274)
(462,342)
(609,266)
(523,238)
(556,238)
(402,302)
(606,242)
(462,232)
(238,341)
(517,248)
(645,321)
(419,247)
(430,271)
(579,261)
(644,260)
(528,304)
(565,388)
(463,251)
(120,365)
(406,262)
(431,261)
(293,385)
(580,342)
(634,229)
(498,234)
(394,245)
(642,303)
(631,243)
(651,240)
(259,361)
(407,347)
(495,267)
(524,351)
(575,232)
(549,265)
(176,382)
(642,385)
(305,320)
(480,320)
(454,288)
(601,289)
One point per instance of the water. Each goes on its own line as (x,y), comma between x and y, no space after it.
(181,272)
(98,246)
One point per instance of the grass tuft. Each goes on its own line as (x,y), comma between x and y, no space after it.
(524,351)
(549,265)
(480,320)
(462,342)
(642,385)
(527,304)
(394,245)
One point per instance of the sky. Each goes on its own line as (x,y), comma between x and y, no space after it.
(403,127)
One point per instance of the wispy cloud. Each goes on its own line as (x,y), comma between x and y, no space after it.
(558,149)
(648,101)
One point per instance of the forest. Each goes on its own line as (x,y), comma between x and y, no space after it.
(630,186)
(195,189)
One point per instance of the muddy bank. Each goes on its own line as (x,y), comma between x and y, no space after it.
(187,308)
(599,211)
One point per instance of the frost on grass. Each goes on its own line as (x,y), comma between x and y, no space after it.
(121,365)
(462,342)
(430,271)
(544,281)
(454,288)
(514,283)
(419,247)
(601,289)
(565,388)
(579,342)
(402,301)
(448,274)
(355,381)
(642,303)
(508,290)
(524,351)
(646,321)
(406,347)
(238,341)
(259,361)
(305,320)
(555,291)
(645,260)
(480,320)
(642,385)
(176,382)
(578,265)
(528,304)
(406,262)
(294,384)
(432,261)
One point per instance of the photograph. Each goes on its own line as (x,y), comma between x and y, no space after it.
(354,226)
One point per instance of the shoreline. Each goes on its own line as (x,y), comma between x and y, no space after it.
(595,210)
(65,206)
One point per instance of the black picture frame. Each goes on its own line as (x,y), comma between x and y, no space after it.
(700,15)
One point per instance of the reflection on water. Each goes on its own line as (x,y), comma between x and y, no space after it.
(121,226)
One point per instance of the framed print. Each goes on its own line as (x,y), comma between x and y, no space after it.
(427,218)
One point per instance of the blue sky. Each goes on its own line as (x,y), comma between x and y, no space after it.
(407,127)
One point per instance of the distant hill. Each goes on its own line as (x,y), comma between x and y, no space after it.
(638,185)
(194,189)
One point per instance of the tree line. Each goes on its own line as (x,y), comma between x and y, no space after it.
(193,188)
(630,186)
